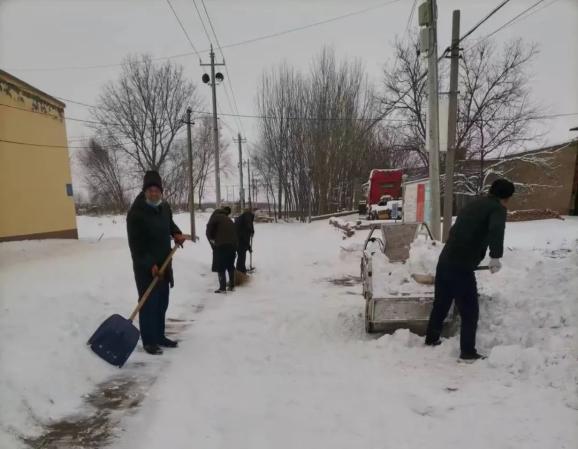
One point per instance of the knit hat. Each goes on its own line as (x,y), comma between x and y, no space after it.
(502,188)
(152,178)
(227,210)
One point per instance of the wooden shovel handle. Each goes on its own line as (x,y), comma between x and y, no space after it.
(146,294)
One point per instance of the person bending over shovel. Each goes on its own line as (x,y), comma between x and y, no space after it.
(245,233)
(222,236)
(480,224)
(150,227)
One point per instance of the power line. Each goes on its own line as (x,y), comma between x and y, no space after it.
(538,10)
(490,14)
(66,117)
(183,28)
(231,45)
(536,117)
(236,109)
(411,13)
(185,31)
(509,22)
(31,144)
(68,100)
(231,108)
(256,116)
(202,22)
(440,58)
(77,102)
(311,25)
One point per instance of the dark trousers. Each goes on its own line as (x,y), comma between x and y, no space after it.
(152,315)
(241,260)
(223,278)
(223,263)
(454,284)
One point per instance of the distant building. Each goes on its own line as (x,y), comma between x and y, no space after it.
(551,177)
(36,185)
(547,178)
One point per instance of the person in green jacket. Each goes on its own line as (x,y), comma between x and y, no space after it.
(150,227)
(481,224)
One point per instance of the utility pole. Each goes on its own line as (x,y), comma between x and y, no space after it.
(249,183)
(212,80)
(240,141)
(428,18)
(452,124)
(191,180)
(309,196)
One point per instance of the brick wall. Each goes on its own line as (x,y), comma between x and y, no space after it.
(557,185)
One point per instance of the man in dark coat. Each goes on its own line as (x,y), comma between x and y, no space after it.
(245,233)
(150,227)
(481,224)
(223,239)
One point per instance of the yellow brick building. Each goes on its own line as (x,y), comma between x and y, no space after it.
(35,179)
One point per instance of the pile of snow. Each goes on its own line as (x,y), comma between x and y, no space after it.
(528,311)
(393,279)
(423,256)
(53,296)
(529,319)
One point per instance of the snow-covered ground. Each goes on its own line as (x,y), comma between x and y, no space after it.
(284,362)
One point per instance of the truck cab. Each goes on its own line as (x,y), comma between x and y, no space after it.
(383,193)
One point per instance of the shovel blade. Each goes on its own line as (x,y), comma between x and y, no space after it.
(115,340)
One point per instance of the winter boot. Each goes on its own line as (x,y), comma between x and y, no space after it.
(231,272)
(168,343)
(471,357)
(153,349)
(222,283)
(429,342)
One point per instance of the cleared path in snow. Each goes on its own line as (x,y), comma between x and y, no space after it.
(284,363)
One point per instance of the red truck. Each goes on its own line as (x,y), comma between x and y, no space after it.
(383,185)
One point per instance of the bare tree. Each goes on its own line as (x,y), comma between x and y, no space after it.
(471,182)
(405,98)
(204,154)
(176,165)
(103,175)
(313,140)
(496,116)
(494,109)
(142,111)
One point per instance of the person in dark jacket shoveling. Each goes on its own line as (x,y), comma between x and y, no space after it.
(150,227)
(245,233)
(222,236)
(481,224)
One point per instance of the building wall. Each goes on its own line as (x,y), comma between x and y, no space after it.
(554,186)
(416,209)
(34,178)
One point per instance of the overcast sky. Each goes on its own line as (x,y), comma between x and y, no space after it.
(49,44)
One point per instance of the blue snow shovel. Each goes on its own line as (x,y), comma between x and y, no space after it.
(115,339)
